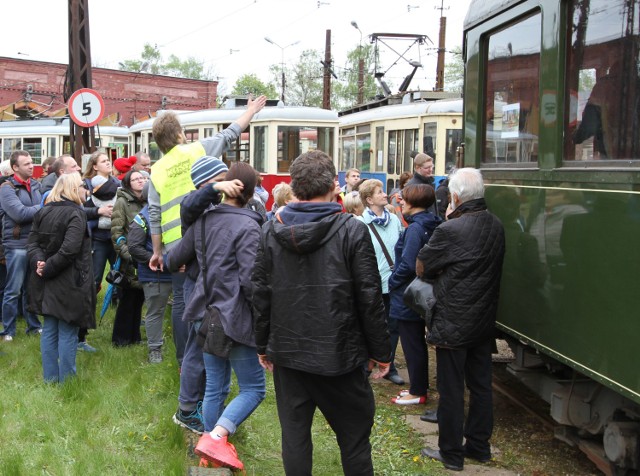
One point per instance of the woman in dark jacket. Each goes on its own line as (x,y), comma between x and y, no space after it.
(126,326)
(226,257)
(416,199)
(59,251)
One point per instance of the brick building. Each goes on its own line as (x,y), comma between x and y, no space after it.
(30,89)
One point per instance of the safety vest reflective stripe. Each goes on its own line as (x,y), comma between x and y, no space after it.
(171,177)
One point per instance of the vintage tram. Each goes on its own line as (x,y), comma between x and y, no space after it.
(276,136)
(557,83)
(380,140)
(44,138)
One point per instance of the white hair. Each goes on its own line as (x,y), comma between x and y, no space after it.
(5,168)
(467,184)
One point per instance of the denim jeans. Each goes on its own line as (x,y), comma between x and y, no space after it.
(251,380)
(102,252)
(58,346)
(192,374)
(18,277)
(156,295)
(180,327)
(3,282)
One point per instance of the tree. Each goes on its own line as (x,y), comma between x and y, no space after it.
(303,80)
(251,84)
(454,71)
(151,61)
(345,91)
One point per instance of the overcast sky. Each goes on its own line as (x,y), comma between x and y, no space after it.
(229,36)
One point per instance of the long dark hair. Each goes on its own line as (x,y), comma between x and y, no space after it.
(247,175)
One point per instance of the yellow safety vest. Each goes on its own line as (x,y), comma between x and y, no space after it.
(171,177)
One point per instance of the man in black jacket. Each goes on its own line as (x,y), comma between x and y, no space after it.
(464,258)
(320,318)
(423,174)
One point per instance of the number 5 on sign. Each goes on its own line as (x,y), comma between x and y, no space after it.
(86,107)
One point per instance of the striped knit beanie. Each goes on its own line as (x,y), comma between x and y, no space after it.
(206,168)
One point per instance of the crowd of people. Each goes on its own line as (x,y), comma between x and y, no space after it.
(311,290)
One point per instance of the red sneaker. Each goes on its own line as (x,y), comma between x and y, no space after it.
(219,451)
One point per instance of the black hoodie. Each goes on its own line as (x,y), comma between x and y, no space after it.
(317,292)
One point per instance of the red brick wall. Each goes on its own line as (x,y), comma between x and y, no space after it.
(133,95)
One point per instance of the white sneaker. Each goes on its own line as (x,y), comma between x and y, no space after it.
(7,338)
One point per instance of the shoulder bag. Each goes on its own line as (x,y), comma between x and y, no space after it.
(211,336)
(384,248)
(419,297)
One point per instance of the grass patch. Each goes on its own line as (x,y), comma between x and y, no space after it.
(115,419)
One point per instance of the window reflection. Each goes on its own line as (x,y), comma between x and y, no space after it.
(512,96)
(602,81)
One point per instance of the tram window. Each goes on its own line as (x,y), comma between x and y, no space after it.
(288,147)
(348,156)
(154,151)
(401,144)
(52,146)
(326,138)
(378,161)
(602,81)
(454,139)
(208,132)
(34,147)
(392,152)
(363,157)
(260,148)
(429,139)
(191,135)
(9,145)
(512,93)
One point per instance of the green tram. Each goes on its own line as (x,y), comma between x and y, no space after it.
(552,118)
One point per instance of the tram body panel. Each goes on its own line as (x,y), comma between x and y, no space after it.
(552,107)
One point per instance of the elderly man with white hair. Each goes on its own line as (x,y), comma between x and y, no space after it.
(464,259)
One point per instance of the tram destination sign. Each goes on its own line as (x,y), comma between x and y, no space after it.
(86,107)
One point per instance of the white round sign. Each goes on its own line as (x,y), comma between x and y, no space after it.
(86,107)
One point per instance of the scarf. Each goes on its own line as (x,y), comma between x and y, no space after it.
(382,221)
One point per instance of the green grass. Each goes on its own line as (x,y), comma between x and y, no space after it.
(115,419)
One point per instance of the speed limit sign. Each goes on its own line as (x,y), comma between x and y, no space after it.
(86,107)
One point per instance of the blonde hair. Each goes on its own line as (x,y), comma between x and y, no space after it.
(282,193)
(66,188)
(352,203)
(367,189)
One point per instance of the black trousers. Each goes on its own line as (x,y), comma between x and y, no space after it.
(126,326)
(413,338)
(346,401)
(455,367)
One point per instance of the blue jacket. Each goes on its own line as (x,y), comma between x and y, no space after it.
(417,234)
(390,235)
(141,249)
(19,206)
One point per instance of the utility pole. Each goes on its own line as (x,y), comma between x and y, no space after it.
(326,78)
(78,75)
(441,49)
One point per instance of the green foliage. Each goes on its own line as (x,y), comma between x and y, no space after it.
(151,61)
(251,84)
(454,71)
(345,92)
